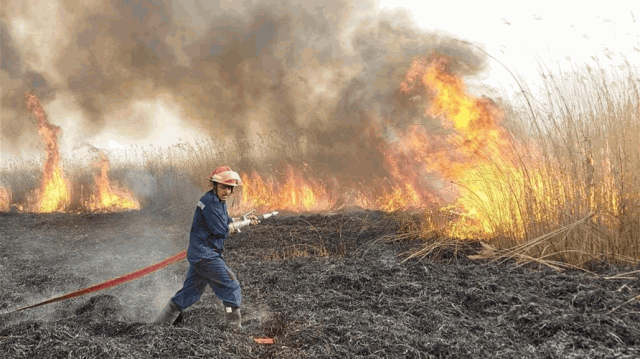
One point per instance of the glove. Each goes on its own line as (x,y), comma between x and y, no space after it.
(232,228)
(254,220)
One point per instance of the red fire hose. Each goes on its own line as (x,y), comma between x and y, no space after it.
(137,274)
(112,282)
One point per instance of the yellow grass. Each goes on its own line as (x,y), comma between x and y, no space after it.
(570,196)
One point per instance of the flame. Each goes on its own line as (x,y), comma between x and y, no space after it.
(108,197)
(497,193)
(476,134)
(471,172)
(476,155)
(466,156)
(475,120)
(5,199)
(416,161)
(296,193)
(54,193)
(399,197)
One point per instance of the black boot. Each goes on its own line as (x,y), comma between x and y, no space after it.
(169,314)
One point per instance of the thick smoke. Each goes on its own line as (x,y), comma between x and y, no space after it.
(322,76)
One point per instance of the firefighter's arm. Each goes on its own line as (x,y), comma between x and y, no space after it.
(213,220)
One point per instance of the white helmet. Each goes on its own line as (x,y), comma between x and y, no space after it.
(225,175)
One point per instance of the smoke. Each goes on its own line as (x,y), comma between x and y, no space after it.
(322,75)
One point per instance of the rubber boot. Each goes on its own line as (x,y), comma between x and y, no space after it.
(169,314)
(232,316)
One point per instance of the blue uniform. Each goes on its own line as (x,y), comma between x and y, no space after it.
(206,242)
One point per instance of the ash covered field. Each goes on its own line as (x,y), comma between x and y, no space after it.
(323,286)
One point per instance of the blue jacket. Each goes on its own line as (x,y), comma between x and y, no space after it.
(209,229)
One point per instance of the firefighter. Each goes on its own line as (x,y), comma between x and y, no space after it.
(211,225)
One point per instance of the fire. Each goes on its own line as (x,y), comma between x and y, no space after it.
(499,193)
(108,197)
(296,193)
(488,191)
(476,134)
(5,199)
(399,197)
(417,161)
(54,193)
(404,190)
(475,120)
(475,155)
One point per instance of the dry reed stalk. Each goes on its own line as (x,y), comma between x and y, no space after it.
(520,252)
(625,303)
(621,275)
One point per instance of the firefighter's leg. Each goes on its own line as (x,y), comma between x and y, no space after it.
(225,285)
(169,314)
(191,291)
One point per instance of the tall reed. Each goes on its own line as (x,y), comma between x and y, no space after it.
(570,191)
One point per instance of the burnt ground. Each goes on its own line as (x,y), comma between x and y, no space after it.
(323,286)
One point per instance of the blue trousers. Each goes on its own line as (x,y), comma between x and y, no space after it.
(215,273)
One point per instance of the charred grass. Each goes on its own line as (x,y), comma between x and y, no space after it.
(323,286)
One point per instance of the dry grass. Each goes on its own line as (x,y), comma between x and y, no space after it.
(587,134)
(569,196)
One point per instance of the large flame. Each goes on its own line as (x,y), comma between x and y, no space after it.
(54,193)
(474,123)
(108,197)
(504,186)
(468,169)
(474,155)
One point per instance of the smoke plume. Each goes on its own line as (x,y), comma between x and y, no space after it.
(321,76)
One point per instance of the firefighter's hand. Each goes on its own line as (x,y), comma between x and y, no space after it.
(232,228)
(254,220)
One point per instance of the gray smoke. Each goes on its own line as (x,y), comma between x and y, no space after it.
(322,75)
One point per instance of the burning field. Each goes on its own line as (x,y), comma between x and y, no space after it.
(421,218)
(320,109)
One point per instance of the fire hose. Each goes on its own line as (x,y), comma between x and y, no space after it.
(140,272)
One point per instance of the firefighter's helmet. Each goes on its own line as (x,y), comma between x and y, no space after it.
(225,175)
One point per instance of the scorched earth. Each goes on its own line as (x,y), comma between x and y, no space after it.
(322,286)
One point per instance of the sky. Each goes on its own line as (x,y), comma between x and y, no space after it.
(562,34)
